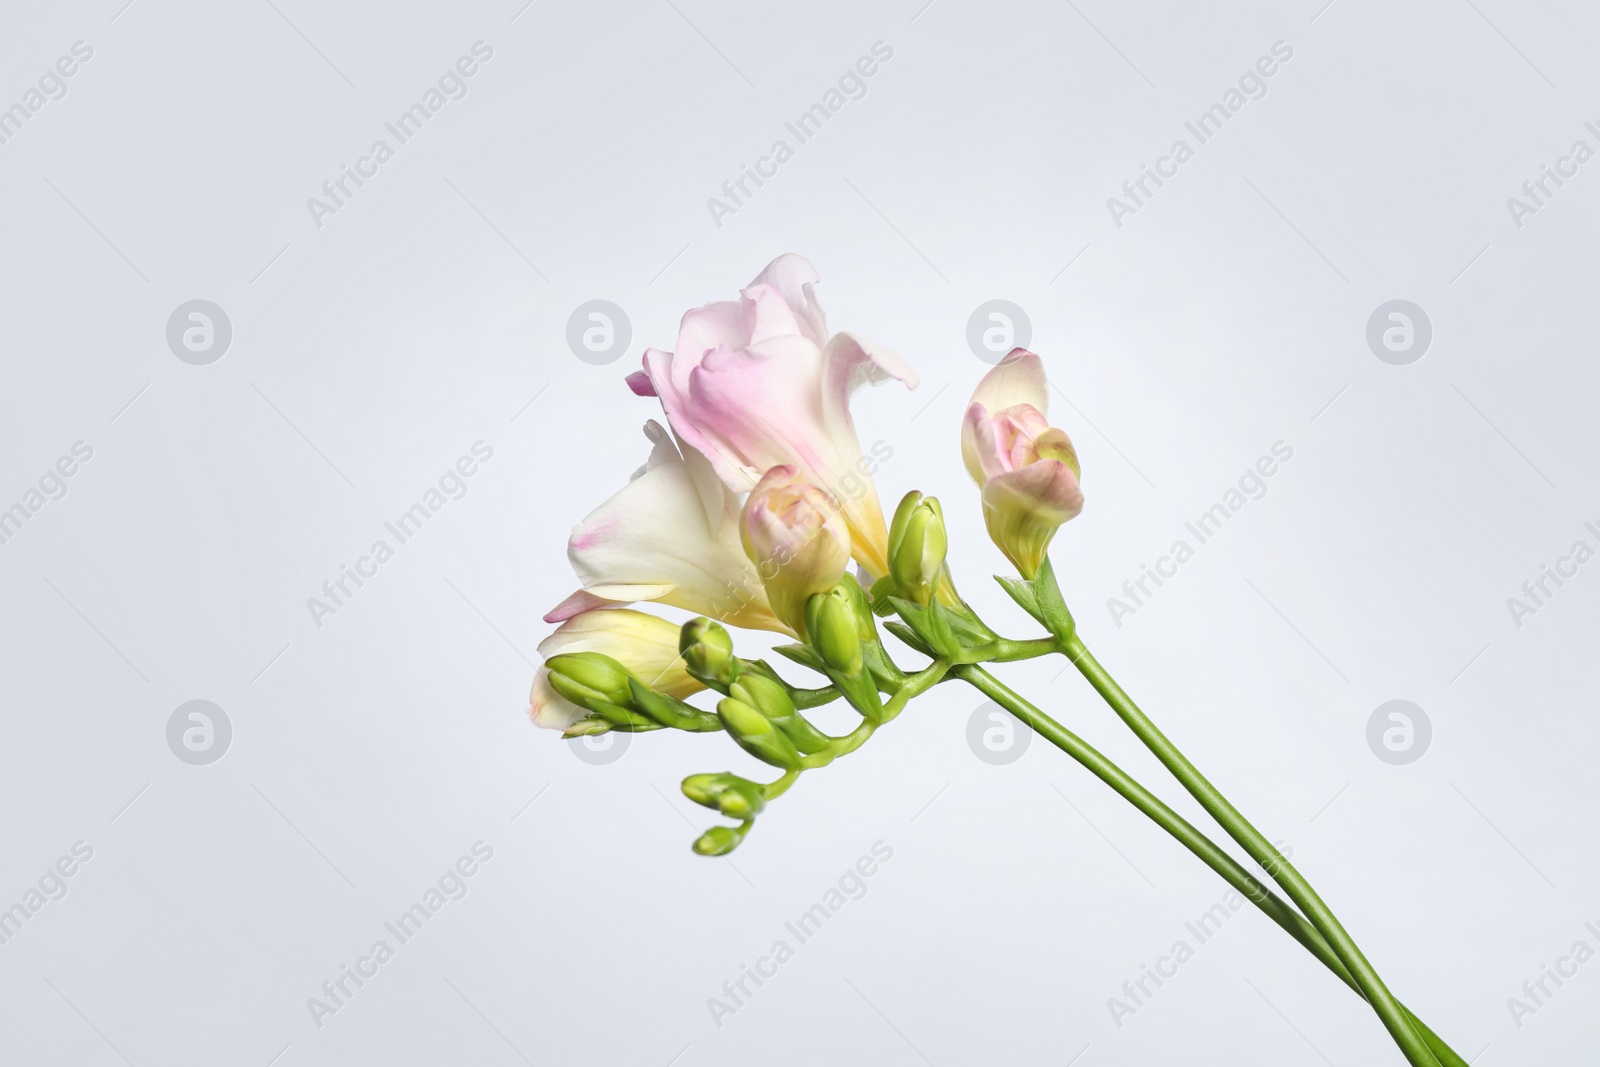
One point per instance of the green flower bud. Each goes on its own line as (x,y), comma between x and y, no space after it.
(773,700)
(766,695)
(735,797)
(833,628)
(707,650)
(720,840)
(917,547)
(590,678)
(703,788)
(756,733)
(861,605)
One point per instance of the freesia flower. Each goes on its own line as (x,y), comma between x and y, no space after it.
(646,645)
(758,383)
(1027,469)
(671,535)
(798,542)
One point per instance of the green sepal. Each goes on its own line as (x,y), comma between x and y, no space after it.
(1052,608)
(806,737)
(804,655)
(861,691)
(909,636)
(932,624)
(882,668)
(620,717)
(669,711)
(1021,590)
(882,590)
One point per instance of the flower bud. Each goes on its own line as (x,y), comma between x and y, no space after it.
(917,546)
(585,727)
(735,797)
(643,645)
(766,695)
(720,840)
(1027,469)
(590,678)
(831,622)
(796,538)
(861,606)
(756,733)
(707,650)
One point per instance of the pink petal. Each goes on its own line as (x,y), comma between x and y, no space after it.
(576,604)
(770,315)
(851,362)
(795,279)
(639,382)
(724,324)
(1046,490)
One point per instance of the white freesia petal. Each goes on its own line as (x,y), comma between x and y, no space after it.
(664,538)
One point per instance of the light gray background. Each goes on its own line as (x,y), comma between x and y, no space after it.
(430,313)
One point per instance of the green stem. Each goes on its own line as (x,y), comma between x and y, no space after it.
(1394,1017)
(1208,851)
(775,789)
(912,687)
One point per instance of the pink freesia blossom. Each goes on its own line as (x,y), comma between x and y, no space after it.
(758,382)
(1027,469)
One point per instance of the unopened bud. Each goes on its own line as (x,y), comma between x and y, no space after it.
(707,650)
(766,695)
(772,699)
(832,626)
(861,605)
(719,840)
(917,546)
(735,797)
(756,733)
(590,678)
(796,536)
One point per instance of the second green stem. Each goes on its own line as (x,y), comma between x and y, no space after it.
(1208,851)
